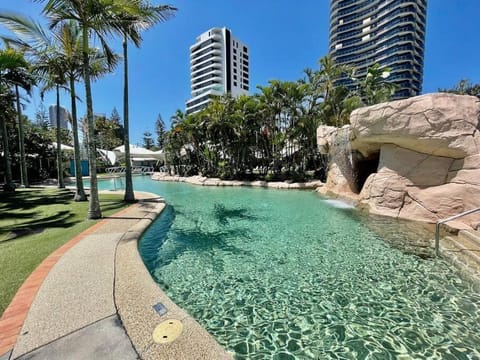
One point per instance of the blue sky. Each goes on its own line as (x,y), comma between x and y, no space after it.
(283,39)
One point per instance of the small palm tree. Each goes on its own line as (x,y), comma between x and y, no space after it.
(22,78)
(94,18)
(51,70)
(68,38)
(132,18)
(375,88)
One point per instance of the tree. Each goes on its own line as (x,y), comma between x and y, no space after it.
(20,77)
(374,88)
(106,132)
(41,115)
(48,67)
(59,56)
(6,111)
(116,121)
(160,130)
(464,87)
(13,72)
(148,142)
(94,18)
(38,140)
(131,19)
(115,117)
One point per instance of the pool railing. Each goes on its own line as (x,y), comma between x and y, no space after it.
(443,221)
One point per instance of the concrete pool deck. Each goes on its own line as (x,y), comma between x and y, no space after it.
(93,298)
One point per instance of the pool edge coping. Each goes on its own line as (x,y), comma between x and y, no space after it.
(134,300)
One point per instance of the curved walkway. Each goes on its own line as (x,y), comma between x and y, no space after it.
(94,299)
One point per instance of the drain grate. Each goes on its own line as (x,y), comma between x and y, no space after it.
(167,331)
(160,309)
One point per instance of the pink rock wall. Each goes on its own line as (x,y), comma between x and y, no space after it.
(429,157)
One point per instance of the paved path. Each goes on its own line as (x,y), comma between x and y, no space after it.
(93,299)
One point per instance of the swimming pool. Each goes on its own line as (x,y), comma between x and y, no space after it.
(286,275)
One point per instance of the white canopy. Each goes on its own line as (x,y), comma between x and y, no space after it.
(62,146)
(138,152)
(108,156)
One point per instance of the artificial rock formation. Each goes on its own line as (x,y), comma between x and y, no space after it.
(428,154)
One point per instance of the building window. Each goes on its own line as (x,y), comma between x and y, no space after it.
(234,70)
(234,57)
(245,49)
(234,77)
(235,83)
(234,51)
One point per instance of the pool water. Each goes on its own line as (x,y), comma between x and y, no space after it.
(276,274)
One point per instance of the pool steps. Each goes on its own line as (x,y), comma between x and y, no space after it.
(464,251)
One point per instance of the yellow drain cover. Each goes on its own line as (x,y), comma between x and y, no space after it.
(167,331)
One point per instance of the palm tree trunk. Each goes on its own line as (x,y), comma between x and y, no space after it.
(129,195)
(9,186)
(80,192)
(21,141)
(61,184)
(94,211)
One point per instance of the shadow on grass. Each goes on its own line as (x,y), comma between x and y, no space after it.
(111,205)
(61,219)
(22,212)
(32,198)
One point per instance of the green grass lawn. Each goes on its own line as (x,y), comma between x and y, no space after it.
(35,222)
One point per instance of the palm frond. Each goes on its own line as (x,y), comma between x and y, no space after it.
(26,29)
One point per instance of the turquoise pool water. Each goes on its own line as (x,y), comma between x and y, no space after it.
(275,274)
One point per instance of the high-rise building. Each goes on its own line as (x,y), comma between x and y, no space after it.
(219,64)
(388,32)
(64,116)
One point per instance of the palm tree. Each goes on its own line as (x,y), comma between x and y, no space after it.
(69,41)
(94,18)
(6,110)
(13,72)
(21,77)
(25,80)
(137,16)
(48,65)
(70,47)
(65,45)
(51,70)
(374,88)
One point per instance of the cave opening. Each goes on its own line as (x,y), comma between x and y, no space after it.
(364,167)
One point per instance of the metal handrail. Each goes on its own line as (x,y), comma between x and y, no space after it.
(135,169)
(443,221)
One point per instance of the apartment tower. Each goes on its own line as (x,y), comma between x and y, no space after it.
(64,117)
(388,32)
(219,64)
